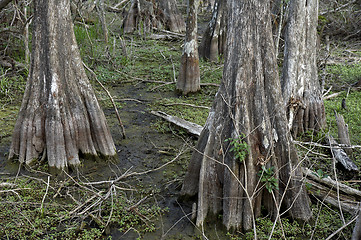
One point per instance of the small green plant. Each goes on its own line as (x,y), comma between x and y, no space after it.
(321,174)
(239,147)
(267,177)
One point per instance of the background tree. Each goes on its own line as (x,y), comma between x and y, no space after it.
(3,3)
(189,76)
(147,14)
(60,115)
(245,130)
(300,86)
(214,38)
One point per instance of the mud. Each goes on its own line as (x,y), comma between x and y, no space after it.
(144,148)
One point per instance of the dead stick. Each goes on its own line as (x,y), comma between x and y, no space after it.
(111,99)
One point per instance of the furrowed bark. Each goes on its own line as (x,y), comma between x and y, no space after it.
(60,115)
(247,107)
(189,75)
(300,86)
(214,38)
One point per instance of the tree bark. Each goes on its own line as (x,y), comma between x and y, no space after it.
(101,14)
(4,3)
(343,136)
(60,115)
(189,75)
(356,234)
(300,85)
(172,18)
(147,14)
(214,38)
(247,107)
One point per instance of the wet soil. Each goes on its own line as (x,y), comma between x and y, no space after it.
(144,148)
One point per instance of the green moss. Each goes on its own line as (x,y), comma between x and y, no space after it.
(325,222)
(32,210)
(351,115)
(8,116)
(343,75)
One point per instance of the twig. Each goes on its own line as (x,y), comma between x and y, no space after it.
(137,204)
(46,192)
(210,84)
(331,95)
(341,228)
(339,8)
(129,99)
(126,174)
(111,99)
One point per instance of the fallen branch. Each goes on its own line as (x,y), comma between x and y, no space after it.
(179,35)
(341,156)
(331,95)
(192,128)
(328,181)
(330,196)
(210,84)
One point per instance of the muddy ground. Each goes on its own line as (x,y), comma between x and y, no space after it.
(145,147)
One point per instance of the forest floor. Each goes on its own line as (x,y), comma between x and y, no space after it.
(143,199)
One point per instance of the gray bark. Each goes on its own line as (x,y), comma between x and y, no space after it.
(214,38)
(4,3)
(149,14)
(101,13)
(247,106)
(343,136)
(172,18)
(60,115)
(356,234)
(189,75)
(300,86)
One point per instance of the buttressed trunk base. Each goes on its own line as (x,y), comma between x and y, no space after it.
(244,158)
(59,115)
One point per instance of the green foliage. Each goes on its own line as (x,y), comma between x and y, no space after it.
(267,177)
(325,222)
(351,115)
(11,86)
(291,229)
(344,74)
(23,218)
(321,174)
(239,147)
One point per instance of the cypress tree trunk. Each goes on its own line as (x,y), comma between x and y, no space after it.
(245,130)
(300,86)
(147,14)
(214,38)
(189,76)
(60,115)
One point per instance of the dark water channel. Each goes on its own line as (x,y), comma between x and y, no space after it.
(146,148)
